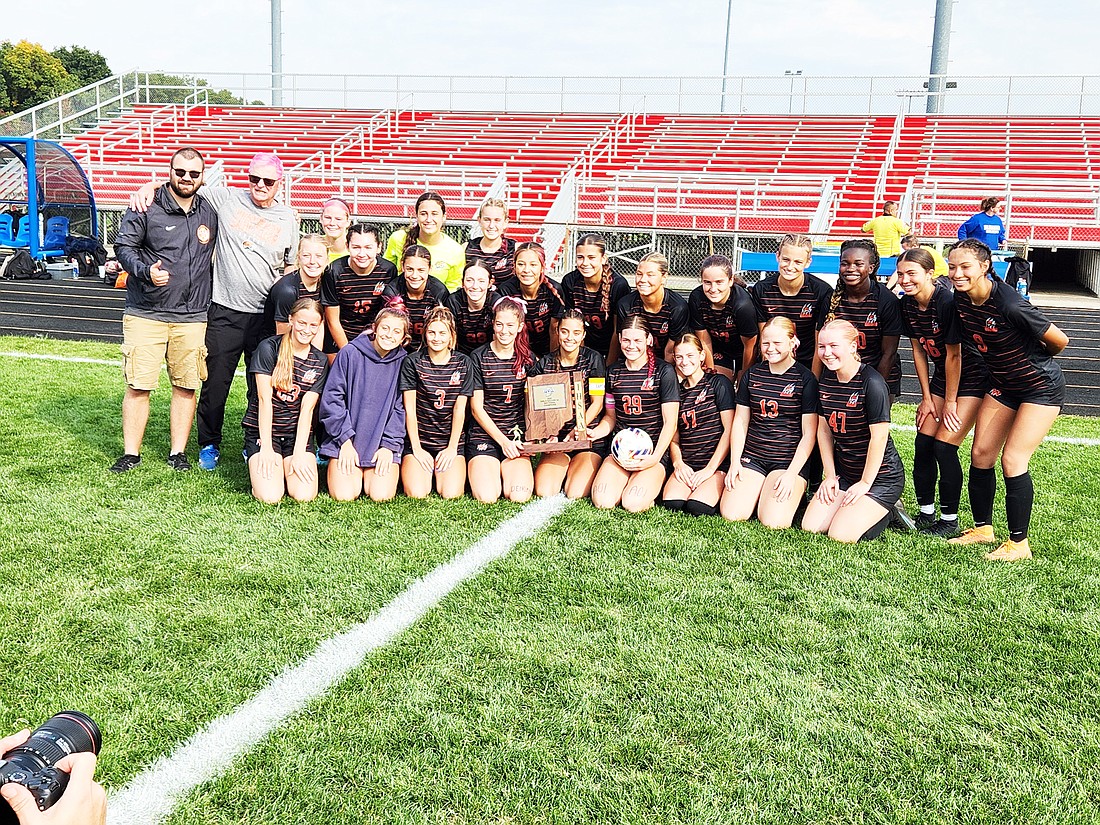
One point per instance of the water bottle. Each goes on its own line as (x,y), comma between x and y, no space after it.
(74,269)
(1021,289)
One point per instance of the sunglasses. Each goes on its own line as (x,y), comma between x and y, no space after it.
(255,180)
(187,173)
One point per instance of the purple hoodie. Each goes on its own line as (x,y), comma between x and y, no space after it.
(361,402)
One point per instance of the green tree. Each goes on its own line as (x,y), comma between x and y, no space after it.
(222,97)
(83,65)
(30,75)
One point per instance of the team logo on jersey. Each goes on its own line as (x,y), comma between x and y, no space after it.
(482,447)
(543,308)
(456,378)
(648,383)
(807,311)
(203,233)
(788,391)
(702,396)
(664,328)
(379,288)
(990,324)
(872,319)
(310,376)
(935,327)
(729,323)
(853,400)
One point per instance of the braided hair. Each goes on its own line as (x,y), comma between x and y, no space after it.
(522,345)
(841,292)
(606,275)
(540,253)
(639,322)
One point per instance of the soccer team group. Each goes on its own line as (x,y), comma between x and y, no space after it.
(404,363)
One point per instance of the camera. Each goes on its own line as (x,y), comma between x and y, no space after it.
(32,764)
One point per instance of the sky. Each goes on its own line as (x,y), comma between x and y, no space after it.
(570,37)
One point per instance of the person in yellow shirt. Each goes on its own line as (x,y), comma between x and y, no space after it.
(448,255)
(887,230)
(913,242)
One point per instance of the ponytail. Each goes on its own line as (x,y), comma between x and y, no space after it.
(522,344)
(282,377)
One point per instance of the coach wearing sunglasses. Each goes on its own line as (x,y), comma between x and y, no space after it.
(167,251)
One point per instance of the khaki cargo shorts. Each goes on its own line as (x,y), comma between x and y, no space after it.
(147,345)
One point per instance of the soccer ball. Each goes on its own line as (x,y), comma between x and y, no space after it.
(631,444)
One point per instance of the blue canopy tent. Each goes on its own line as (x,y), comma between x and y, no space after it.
(59,203)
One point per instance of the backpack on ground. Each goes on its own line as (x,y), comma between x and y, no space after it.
(20,266)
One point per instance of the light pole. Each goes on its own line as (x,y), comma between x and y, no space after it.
(726,53)
(941,45)
(276,53)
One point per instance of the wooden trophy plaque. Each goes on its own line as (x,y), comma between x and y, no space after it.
(553,401)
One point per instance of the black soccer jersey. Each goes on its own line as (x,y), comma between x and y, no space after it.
(358,296)
(806,310)
(776,403)
(936,328)
(727,325)
(1007,332)
(499,263)
(590,368)
(700,424)
(438,387)
(599,326)
(669,322)
(435,294)
(309,376)
(541,310)
(877,315)
(474,327)
(638,395)
(285,292)
(503,386)
(850,409)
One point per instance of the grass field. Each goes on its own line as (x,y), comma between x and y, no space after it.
(616,668)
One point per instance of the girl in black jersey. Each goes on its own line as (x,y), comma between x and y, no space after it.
(1018,345)
(290,374)
(493,447)
(641,391)
(493,250)
(863,472)
(665,312)
(723,317)
(352,286)
(595,290)
(953,380)
(436,383)
(871,308)
(575,469)
(774,432)
(304,282)
(472,307)
(542,296)
(701,447)
(418,289)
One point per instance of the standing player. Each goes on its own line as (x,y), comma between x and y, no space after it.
(362,411)
(795,294)
(542,296)
(575,469)
(595,290)
(665,313)
(436,383)
(641,391)
(700,451)
(418,290)
(304,282)
(335,221)
(774,432)
(447,255)
(493,250)
(1018,345)
(987,226)
(723,317)
(864,476)
(493,456)
(472,307)
(290,375)
(352,286)
(950,395)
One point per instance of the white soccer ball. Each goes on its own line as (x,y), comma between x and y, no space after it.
(631,444)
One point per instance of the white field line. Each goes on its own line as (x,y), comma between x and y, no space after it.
(153,794)
(905,428)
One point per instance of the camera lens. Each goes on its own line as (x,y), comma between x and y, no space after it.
(63,733)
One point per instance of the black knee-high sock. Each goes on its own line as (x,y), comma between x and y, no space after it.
(698,508)
(951,477)
(878,528)
(676,504)
(1019,497)
(924,469)
(982,487)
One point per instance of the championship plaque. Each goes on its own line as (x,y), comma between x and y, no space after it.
(553,401)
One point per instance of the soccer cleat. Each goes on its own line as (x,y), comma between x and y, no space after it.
(942,529)
(208,457)
(1010,551)
(924,521)
(976,535)
(127,462)
(179,462)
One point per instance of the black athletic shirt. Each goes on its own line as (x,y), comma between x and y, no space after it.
(776,405)
(936,328)
(638,395)
(358,296)
(285,292)
(806,310)
(435,294)
(438,388)
(473,326)
(727,325)
(700,424)
(599,326)
(850,410)
(876,315)
(309,376)
(499,263)
(545,306)
(590,367)
(504,400)
(669,322)
(1007,332)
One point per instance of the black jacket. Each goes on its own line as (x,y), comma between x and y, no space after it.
(184,245)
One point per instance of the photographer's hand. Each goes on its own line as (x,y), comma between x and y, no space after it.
(83,803)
